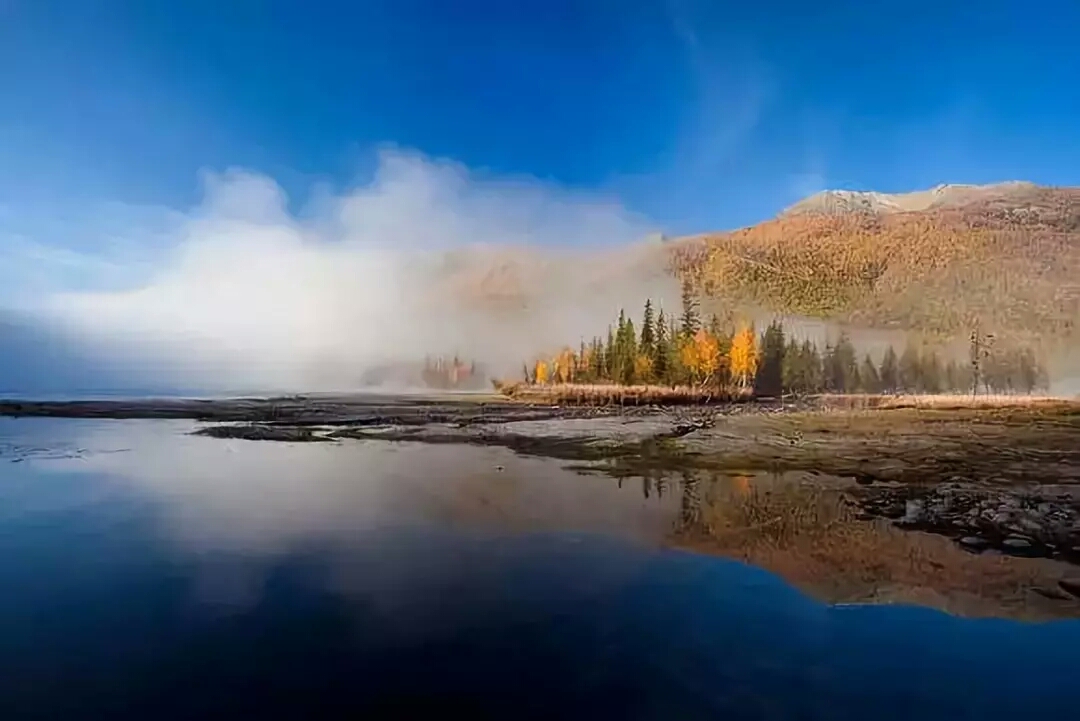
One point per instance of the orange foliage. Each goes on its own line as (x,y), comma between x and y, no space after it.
(744,355)
(564,366)
(643,366)
(700,356)
(540,374)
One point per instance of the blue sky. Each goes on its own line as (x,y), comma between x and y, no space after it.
(416,125)
(700,115)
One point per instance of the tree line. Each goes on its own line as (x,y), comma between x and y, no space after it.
(684,350)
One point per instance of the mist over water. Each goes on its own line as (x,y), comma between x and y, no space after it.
(428,258)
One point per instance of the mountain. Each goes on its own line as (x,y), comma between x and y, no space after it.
(939,261)
(941,196)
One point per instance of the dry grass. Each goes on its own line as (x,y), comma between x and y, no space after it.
(613,394)
(948,401)
(812,538)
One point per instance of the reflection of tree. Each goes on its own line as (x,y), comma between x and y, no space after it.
(812,537)
(741,485)
(690,502)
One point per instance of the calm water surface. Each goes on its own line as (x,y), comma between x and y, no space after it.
(146,573)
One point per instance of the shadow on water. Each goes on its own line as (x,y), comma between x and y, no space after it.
(190,576)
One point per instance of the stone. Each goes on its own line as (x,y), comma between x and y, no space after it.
(973,542)
(913,512)
(1016,543)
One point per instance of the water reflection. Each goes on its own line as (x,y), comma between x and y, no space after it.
(265,497)
(160,575)
(810,533)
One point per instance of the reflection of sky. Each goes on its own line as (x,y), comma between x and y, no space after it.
(428,567)
(235,508)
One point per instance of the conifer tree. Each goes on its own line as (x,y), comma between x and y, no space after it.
(609,356)
(815,368)
(676,372)
(769,379)
(648,331)
(846,365)
(890,372)
(868,376)
(629,354)
(661,369)
(909,371)
(930,374)
(690,324)
(791,372)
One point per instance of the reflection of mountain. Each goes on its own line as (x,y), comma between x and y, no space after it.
(812,537)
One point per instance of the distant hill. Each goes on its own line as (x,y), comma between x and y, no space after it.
(937,261)
(941,196)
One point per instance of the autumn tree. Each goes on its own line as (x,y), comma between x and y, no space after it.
(744,356)
(563,366)
(540,374)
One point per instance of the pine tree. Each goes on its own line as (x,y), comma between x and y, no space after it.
(629,351)
(676,372)
(661,369)
(909,370)
(831,375)
(716,328)
(690,324)
(648,331)
(609,356)
(813,367)
(845,365)
(930,379)
(769,379)
(791,373)
(950,381)
(890,372)
(868,375)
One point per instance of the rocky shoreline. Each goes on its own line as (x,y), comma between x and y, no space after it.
(1022,522)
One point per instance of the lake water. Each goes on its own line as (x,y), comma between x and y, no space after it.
(146,573)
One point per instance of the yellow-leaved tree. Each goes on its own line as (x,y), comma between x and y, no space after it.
(744,356)
(564,366)
(700,356)
(541,372)
(688,358)
(708,355)
(643,366)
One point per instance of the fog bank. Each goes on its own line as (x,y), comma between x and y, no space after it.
(427,258)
